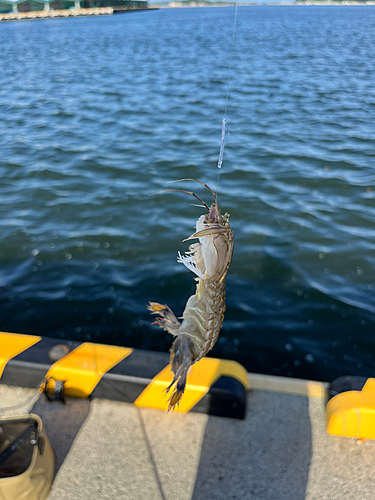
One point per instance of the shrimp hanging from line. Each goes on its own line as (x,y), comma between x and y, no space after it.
(202,318)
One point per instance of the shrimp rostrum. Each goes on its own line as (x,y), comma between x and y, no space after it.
(199,329)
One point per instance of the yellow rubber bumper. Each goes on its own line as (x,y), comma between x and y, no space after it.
(201,377)
(12,344)
(83,368)
(351,413)
(214,386)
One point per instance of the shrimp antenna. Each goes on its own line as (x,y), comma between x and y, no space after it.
(182,191)
(198,182)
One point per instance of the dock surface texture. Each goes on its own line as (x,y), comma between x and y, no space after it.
(112,450)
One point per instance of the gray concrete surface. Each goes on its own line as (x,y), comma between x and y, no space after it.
(115,451)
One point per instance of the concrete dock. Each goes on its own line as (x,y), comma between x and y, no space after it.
(111,450)
(65,13)
(54,14)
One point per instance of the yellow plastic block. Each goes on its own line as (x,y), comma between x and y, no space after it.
(12,344)
(202,375)
(83,368)
(352,413)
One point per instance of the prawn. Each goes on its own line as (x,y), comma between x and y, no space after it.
(209,260)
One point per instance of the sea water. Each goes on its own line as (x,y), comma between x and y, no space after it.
(97,113)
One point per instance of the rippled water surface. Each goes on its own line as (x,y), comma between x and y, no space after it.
(95,114)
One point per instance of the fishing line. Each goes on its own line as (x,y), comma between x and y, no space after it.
(224,125)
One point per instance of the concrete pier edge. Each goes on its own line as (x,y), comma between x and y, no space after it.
(216,387)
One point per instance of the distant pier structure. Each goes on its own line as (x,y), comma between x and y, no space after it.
(18,6)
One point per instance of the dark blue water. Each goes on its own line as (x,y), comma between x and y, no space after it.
(97,113)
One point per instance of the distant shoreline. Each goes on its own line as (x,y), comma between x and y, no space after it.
(86,12)
(185,5)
